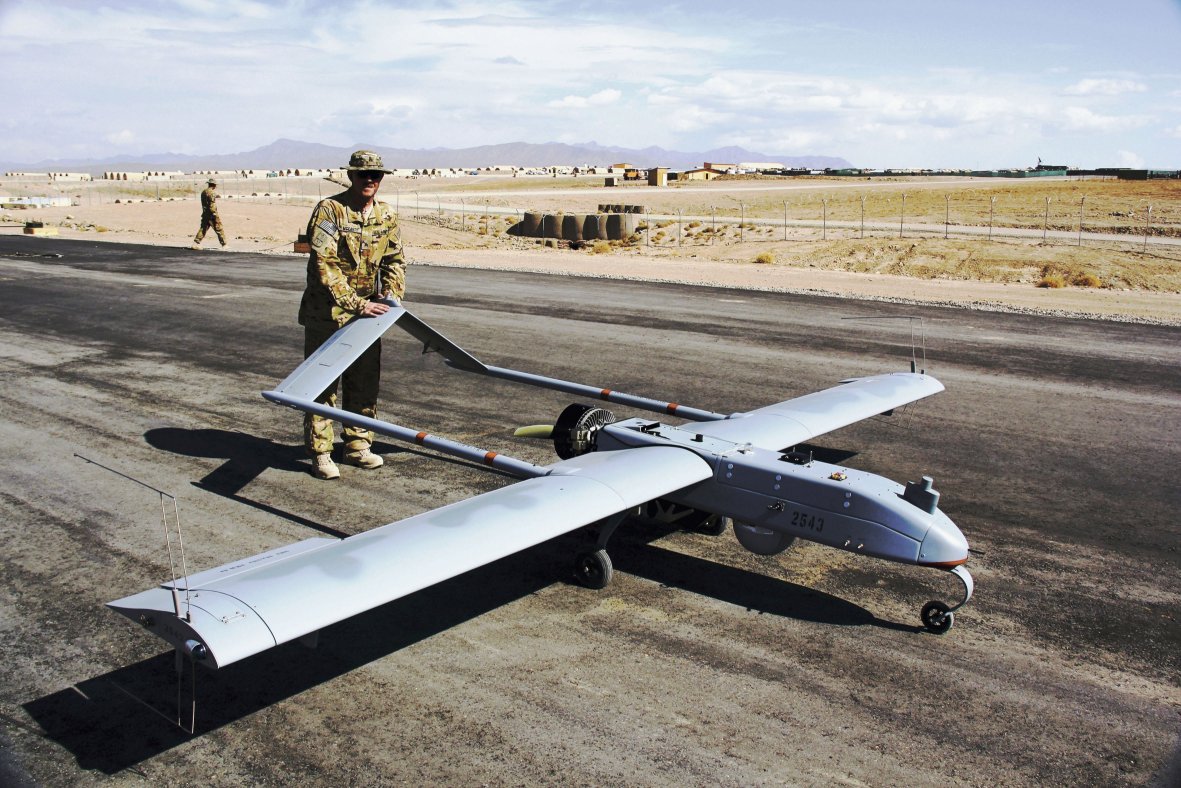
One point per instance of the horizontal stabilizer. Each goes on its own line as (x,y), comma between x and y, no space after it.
(795,421)
(331,359)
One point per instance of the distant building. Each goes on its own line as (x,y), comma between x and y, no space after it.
(700,174)
(759,166)
(725,169)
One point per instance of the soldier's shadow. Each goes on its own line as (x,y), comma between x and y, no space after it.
(246,458)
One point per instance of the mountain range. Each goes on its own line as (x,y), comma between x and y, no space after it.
(285,153)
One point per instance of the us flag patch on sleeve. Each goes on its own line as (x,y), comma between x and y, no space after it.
(327,226)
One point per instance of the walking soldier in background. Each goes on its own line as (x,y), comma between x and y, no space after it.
(209,217)
(356,254)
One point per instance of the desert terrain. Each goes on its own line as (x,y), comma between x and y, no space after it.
(1054,447)
(1011,244)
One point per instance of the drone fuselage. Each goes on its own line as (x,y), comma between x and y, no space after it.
(795,496)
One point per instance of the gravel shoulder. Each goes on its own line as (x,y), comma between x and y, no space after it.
(800,266)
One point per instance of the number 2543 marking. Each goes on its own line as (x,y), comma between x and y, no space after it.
(810,521)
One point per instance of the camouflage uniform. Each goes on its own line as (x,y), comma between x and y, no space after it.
(209,217)
(353,259)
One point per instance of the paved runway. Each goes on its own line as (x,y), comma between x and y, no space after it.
(1055,446)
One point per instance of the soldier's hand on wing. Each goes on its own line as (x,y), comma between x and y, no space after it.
(374,308)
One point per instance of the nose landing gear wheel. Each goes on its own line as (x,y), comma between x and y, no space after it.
(594,570)
(937,617)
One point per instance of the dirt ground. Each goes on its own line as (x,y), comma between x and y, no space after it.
(1099,277)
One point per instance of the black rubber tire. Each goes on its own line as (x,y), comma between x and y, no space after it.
(708,523)
(937,617)
(594,570)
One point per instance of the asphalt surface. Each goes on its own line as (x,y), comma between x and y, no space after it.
(1055,446)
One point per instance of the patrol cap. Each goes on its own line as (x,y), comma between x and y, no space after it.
(212,182)
(367,160)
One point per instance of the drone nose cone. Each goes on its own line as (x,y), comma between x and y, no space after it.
(944,545)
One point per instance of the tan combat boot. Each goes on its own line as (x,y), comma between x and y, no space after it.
(324,468)
(363,459)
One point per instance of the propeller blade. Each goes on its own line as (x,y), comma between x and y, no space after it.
(535,431)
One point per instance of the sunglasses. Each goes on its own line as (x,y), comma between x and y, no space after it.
(370,175)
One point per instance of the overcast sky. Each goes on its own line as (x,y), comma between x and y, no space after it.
(887,84)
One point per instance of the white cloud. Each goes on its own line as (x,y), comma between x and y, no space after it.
(1083,119)
(1125,158)
(1104,87)
(599,99)
(121,138)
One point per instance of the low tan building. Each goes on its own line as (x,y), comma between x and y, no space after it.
(700,174)
(726,169)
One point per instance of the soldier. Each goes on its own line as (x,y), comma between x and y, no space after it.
(209,217)
(356,255)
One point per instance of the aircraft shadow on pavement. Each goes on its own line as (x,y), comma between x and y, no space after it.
(246,457)
(122,718)
(750,590)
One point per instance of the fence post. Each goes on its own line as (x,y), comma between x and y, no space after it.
(785,220)
(678,226)
(1046,220)
(824,220)
(946,214)
(1147,224)
(863,216)
(991,210)
(713,224)
(902,215)
(1081,206)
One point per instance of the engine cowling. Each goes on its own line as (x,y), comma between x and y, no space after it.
(574,431)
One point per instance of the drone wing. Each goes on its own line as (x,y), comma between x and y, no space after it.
(325,365)
(789,423)
(248,606)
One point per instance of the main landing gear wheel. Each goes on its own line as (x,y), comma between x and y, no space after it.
(594,570)
(706,523)
(937,617)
